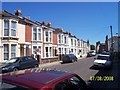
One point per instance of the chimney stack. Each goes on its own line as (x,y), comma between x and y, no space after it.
(49,24)
(18,12)
(43,23)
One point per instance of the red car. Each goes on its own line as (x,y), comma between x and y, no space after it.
(37,79)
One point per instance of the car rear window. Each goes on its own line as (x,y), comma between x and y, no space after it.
(30,58)
(103,57)
(8,86)
(56,72)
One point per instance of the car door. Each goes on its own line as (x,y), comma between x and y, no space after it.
(76,83)
(62,85)
(24,63)
(32,62)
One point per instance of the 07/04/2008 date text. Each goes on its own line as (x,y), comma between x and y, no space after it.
(101,78)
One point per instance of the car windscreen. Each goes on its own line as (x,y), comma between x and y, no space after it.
(103,58)
(105,53)
(71,55)
(12,60)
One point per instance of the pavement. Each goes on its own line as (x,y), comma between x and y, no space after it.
(106,83)
(49,64)
(53,63)
(100,85)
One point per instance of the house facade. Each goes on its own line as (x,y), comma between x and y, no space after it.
(48,42)
(20,36)
(37,38)
(115,43)
(62,41)
(12,37)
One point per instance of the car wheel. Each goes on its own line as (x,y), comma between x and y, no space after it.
(73,60)
(36,66)
(15,69)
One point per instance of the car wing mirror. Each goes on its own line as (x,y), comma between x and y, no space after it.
(94,58)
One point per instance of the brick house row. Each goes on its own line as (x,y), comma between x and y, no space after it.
(20,36)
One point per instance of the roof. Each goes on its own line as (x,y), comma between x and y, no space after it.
(5,13)
(33,77)
(114,38)
(103,55)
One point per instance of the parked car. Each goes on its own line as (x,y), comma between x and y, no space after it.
(37,79)
(91,53)
(69,58)
(19,63)
(103,61)
(105,53)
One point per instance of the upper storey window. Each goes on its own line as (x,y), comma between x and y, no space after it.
(6,28)
(13,28)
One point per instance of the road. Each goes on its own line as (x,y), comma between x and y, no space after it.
(81,67)
(102,79)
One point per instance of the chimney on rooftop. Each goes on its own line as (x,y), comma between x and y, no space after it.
(49,24)
(43,23)
(18,12)
(68,33)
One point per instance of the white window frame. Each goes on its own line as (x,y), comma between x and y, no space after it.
(14,29)
(37,47)
(47,53)
(13,51)
(59,39)
(39,34)
(6,52)
(49,36)
(6,28)
(34,39)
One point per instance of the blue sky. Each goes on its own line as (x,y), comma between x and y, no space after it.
(86,20)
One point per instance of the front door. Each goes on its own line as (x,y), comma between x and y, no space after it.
(21,50)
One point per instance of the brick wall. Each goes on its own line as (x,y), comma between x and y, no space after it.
(28,33)
(54,39)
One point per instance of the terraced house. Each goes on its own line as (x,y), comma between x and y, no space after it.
(20,36)
(11,31)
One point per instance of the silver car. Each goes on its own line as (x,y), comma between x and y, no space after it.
(103,61)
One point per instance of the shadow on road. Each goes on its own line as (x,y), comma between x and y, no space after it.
(105,79)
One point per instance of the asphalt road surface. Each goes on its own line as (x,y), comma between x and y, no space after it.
(99,79)
(81,67)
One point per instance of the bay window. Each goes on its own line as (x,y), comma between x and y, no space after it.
(46,49)
(50,51)
(13,50)
(34,49)
(39,48)
(6,51)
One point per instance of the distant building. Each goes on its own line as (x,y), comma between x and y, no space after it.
(100,47)
(115,43)
(97,46)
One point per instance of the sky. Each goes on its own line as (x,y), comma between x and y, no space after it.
(86,20)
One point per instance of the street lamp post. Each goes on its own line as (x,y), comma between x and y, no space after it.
(111,39)
(118,37)
(118,41)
